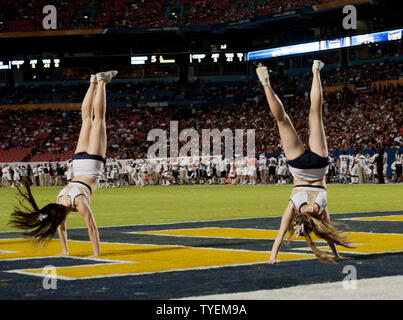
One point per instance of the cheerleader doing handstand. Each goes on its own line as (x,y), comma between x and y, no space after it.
(307,208)
(41,224)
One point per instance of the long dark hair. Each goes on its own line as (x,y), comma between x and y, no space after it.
(39,224)
(307,223)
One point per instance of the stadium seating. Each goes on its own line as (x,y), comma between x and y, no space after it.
(14,154)
(366,120)
(83,14)
(124,93)
(52,156)
(51,135)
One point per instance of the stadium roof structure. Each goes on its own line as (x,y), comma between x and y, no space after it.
(253,34)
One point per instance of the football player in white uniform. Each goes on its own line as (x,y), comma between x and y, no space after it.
(17,175)
(281,170)
(398,175)
(361,163)
(252,171)
(272,168)
(354,172)
(7,180)
(263,170)
(222,171)
(332,169)
(343,167)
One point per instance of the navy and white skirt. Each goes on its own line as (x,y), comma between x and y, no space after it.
(309,166)
(88,165)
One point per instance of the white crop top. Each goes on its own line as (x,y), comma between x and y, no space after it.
(310,196)
(73,190)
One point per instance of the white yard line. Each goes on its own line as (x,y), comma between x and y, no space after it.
(383,288)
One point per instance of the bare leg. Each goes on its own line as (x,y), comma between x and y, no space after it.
(292,143)
(317,136)
(86,116)
(97,136)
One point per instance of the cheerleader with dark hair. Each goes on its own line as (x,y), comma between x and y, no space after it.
(41,224)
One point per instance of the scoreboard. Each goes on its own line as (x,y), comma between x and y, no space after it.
(223,57)
(217,57)
(192,58)
(29,63)
(154,59)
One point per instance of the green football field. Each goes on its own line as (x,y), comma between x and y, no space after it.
(165,204)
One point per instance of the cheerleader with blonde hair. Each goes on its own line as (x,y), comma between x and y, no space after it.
(307,208)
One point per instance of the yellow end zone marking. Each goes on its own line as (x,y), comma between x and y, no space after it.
(363,242)
(134,259)
(225,233)
(138,258)
(379,218)
(222,233)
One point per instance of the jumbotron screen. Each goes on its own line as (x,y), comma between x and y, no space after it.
(326,45)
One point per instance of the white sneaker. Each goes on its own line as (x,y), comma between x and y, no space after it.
(317,65)
(106,76)
(93,79)
(263,75)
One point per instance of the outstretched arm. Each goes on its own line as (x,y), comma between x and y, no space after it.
(285,222)
(85,210)
(62,231)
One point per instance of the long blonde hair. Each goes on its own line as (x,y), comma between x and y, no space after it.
(308,223)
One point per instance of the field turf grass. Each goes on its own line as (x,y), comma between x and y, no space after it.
(166,204)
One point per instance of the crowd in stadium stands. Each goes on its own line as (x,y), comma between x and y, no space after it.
(83,14)
(365,120)
(132,93)
(38,130)
(385,70)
